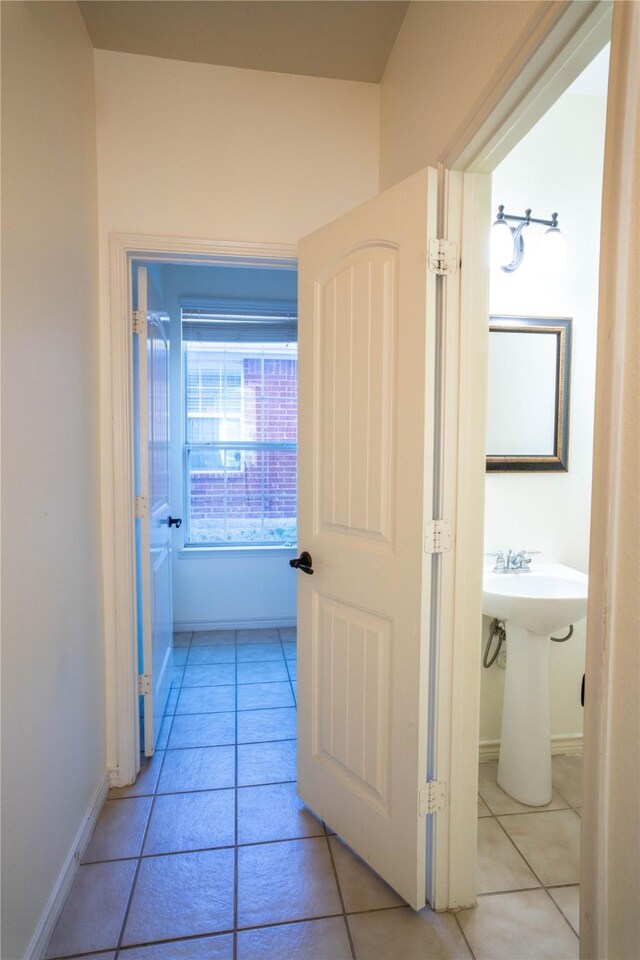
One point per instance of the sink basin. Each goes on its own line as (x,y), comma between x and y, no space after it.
(543,599)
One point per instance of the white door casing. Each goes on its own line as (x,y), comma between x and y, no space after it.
(154,554)
(366,393)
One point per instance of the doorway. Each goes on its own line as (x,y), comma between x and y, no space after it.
(538,500)
(231,398)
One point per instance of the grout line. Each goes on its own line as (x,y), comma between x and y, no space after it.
(235,820)
(515,846)
(144,839)
(561,911)
(464,936)
(344,911)
(293,692)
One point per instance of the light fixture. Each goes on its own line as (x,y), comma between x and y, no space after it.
(507,249)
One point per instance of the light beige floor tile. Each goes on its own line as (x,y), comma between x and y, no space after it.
(274,812)
(110,955)
(252,652)
(181,895)
(523,925)
(220,653)
(172,701)
(483,809)
(180,655)
(266,762)
(146,781)
(181,639)
(191,821)
(500,802)
(549,842)
(566,773)
(163,735)
(207,699)
(312,940)
(258,726)
(119,831)
(293,880)
(401,934)
(207,638)
(288,634)
(218,947)
(292,667)
(568,899)
(94,910)
(209,675)
(262,635)
(499,865)
(361,888)
(203,768)
(290,649)
(257,696)
(267,671)
(202,730)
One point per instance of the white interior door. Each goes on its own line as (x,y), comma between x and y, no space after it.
(366,389)
(154,541)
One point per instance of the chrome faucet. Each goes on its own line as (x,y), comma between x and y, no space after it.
(512,562)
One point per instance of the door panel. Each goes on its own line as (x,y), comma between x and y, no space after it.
(366,341)
(155,539)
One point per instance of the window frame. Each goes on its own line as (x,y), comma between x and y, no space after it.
(201,549)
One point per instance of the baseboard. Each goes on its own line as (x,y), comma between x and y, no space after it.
(561,746)
(53,909)
(113,774)
(188,626)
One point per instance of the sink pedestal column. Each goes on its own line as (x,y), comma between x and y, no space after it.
(524,769)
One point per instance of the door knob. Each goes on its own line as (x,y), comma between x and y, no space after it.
(174,521)
(303,562)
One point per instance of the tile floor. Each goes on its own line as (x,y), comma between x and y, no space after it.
(210,855)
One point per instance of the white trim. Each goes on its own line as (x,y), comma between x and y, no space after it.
(562,745)
(51,913)
(227,553)
(118,509)
(255,623)
(560,41)
(535,74)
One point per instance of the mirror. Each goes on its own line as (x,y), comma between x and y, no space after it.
(528,393)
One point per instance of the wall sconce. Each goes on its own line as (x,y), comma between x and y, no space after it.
(507,242)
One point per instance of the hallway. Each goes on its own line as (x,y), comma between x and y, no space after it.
(211,855)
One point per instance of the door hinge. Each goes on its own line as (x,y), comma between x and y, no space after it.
(437,536)
(139,321)
(432,797)
(144,684)
(443,257)
(141,508)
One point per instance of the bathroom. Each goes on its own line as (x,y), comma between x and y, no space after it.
(555,169)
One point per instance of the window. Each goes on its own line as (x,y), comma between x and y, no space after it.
(240,376)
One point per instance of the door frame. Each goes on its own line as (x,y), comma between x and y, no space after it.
(559,44)
(123,733)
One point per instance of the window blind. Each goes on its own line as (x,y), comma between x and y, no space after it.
(239,321)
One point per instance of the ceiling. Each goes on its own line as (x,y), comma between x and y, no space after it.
(339,39)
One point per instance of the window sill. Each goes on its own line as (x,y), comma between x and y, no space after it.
(213,553)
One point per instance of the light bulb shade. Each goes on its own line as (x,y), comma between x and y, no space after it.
(552,251)
(501,244)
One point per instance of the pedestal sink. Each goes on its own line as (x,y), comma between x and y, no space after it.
(535,604)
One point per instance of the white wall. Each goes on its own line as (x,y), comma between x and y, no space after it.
(443,59)
(53,731)
(557,167)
